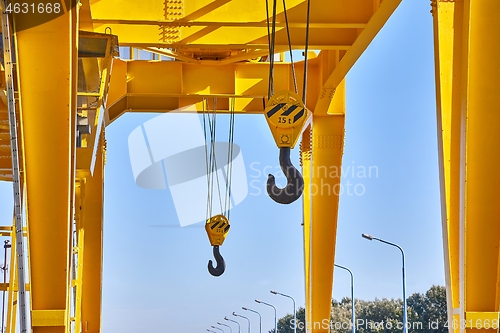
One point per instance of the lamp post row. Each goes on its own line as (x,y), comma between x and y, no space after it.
(353,313)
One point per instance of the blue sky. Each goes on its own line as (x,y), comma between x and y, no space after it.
(155,277)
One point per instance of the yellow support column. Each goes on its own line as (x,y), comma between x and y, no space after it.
(306,160)
(47,60)
(327,148)
(78,250)
(92,246)
(469,128)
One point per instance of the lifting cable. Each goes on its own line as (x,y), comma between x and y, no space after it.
(272,41)
(229,174)
(290,48)
(217,226)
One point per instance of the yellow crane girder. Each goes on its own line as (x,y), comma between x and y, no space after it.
(469,127)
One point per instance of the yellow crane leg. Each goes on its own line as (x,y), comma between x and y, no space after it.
(47,71)
(327,148)
(305,159)
(468,101)
(92,246)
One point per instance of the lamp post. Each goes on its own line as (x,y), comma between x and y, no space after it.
(405,317)
(230,329)
(212,331)
(260,317)
(275,322)
(237,315)
(294,311)
(218,328)
(353,313)
(234,321)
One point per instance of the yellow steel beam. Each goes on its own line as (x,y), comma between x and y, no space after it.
(78,250)
(305,159)
(469,125)
(153,86)
(327,148)
(235,24)
(92,246)
(48,115)
(162,86)
(448,48)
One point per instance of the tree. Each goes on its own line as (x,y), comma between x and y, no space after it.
(286,324)
(426,314)
(430,310)
(381,315)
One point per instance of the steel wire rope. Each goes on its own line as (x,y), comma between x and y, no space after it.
(211,158)
(229,174)
(207,162)
(271,52)
(268,27)
(290,48)
(214,156)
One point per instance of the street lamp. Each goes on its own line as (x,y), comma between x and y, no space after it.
(294,311)
(234,321)
(275,322)
(230,329)
(260,317)
(405,317)
(353,315)
(218,328)
(212,331)
(237,315)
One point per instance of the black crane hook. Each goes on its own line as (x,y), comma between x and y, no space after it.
(295,183)
(221,264)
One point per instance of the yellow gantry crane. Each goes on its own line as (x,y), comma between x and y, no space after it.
(63,83)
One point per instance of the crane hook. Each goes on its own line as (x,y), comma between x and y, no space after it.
(295,183)
(221,264)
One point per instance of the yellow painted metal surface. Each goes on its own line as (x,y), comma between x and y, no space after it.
(286,116)
(92,246)
(306,161)
(47,318)
(327,148)
(468,124)
(217,228)
(49,212)
(482,320)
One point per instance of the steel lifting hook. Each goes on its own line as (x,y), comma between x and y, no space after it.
(295,183)
(221,264)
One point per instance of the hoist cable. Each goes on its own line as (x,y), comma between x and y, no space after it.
(290,48)
(210,154)
(304,92)
(229,173)
(268,26)
(271,51)
(215,169)
(207,160)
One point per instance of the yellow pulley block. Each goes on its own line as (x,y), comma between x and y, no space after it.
(286,115)
(217,228)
